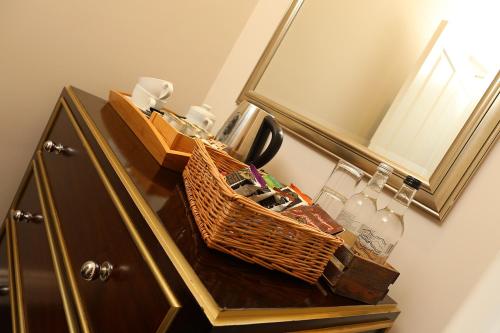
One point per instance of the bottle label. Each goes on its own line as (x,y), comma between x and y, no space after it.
(372,245)
(348,221)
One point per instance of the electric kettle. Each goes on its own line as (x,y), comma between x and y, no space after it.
(246,133)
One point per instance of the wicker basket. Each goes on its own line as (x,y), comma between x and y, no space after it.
(238,226)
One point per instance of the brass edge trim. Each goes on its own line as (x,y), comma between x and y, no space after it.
(167,320)
(62,245)
(354,328)
(73,326)
(19,301)
(475,164)
(488,140)
(17,278)
(169,294)
(12,286)
(216,315)
(246,317)
(475,119)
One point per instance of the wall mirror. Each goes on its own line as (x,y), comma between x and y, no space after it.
(412,83)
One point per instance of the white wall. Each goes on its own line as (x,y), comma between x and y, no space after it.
(479,312)
(97,46)
(440,266)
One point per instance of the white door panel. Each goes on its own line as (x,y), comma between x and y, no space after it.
(432,106)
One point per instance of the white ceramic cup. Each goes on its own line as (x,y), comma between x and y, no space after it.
(201,116)
(145,101)
(160,89)
(142,98)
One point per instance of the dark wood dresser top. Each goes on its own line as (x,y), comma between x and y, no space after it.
(224,287)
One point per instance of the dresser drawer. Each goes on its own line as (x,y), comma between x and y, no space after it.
(39,304)
(120,290)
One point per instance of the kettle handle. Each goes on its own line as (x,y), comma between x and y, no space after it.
(269,125)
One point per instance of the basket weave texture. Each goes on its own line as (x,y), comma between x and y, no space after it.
(238,226)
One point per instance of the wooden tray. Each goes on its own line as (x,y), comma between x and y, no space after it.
(169,147)
(358,278)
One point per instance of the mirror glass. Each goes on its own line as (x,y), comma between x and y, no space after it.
(400,78)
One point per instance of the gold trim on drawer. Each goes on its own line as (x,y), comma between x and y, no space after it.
(19,299)
(19,303)
(68,309)
(12,285)
(16,297)
(169,294)
(57,228)
(216,315)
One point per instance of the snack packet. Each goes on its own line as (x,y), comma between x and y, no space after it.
(295,199)
(261,194)
(271,181)
(275,203)
(257,175)
(243,182)
(302,195)
(314,216)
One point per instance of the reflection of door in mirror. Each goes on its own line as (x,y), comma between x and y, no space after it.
(348,69)
(434,103)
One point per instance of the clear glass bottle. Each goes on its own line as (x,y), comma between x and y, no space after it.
(360,207)
(339,186)
(379,236)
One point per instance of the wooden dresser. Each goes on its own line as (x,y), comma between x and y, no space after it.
(99,239)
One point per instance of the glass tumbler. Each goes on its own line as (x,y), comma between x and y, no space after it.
(174,121)
(338,188)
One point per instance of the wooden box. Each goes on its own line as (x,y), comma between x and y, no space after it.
(169,147)
(358,278)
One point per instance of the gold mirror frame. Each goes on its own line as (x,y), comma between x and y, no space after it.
(437,194)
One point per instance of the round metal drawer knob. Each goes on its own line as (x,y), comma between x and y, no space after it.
(21,216)
(51,147)
(91,270)
(106,270)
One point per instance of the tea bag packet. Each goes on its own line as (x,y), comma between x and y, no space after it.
(243,182)
(261,194)
(271,182)
(248,182)
(265,189)
(301,194)
(257,175)
(276,202)
(295,199)
(314,216)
